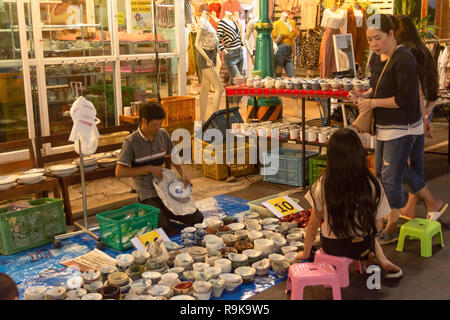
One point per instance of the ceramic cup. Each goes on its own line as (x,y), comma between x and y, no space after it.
(127,111)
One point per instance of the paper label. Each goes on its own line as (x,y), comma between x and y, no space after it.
(282,206)
(141,242)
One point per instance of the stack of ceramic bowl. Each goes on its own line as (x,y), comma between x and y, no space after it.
(156,265)
(188,236)
(152,276)
(264,245)
(218,285)
(199,234)
(63,170)
(124,261)
(31,178)
(198,253)
(90,163)
(184,260)
(121,280)
(76,294)
(107,163)
(106,270)
(170,278)
(140,256)
(261,267)
(35,293)
(232,281)
(7,182)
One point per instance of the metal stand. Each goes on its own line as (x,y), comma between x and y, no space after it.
(57,239)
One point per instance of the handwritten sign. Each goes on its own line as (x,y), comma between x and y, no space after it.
(282,206)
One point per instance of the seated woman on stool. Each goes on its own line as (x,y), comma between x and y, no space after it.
(351,203)
(142,156)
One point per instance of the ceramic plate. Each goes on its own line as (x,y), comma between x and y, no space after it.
(177,190)
(35,170)
(41,178)
(8,179)
(7,186)
(63,167)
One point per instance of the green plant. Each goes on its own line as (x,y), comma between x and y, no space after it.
(405,7)
(426,31)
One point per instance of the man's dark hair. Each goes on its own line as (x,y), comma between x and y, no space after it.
(151,111)
(8,288)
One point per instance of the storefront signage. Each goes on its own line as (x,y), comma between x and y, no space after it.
(120,18)
(141,6)
(282,206)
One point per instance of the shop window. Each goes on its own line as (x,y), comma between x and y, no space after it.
(75,28)
(139,79)
(136,32)
(66,82)
(13,117)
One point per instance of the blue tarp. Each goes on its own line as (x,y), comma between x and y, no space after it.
(41,266)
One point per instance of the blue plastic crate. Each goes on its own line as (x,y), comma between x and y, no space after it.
(290,167)
(218,120)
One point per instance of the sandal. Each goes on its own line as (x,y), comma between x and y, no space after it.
(437,214)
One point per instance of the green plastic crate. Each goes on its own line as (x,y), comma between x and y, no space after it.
(118,227)
(317,166)
(31,227)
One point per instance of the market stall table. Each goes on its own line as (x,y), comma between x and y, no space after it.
(236,91)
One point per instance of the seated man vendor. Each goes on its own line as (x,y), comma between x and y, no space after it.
(143,153)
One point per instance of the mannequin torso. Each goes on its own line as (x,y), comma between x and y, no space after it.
(229,33)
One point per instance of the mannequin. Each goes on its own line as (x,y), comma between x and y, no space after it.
(231,45)
(250,31)
(284,33)
(207,44)
(230,6)
(333,20)
(355,23)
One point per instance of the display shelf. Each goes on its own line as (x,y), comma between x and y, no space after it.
(79,75)
(58,86)
(68,26)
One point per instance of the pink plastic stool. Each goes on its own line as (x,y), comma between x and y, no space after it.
(340,263)
(302,275)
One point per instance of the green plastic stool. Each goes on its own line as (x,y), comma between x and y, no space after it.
(422,229)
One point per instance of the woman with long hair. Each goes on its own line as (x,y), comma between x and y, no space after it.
(351,203)
(394,99)
(406,34)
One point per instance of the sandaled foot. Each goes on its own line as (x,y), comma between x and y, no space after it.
(390,270)
(387,237)
(437,214)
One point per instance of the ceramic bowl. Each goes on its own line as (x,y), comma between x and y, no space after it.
(229,220)
(74,283)
(238,260)
(202,285)
(242,234)
(199,266)
(94,286)
(250,215)
(232,281)
(290,257)
(297,244)
(254,235)
(236,226)
(287,249)
(261,267)
(270,227)
(293,237)
(258,84)
(184,258)
(278,242)
(189,275)
(162,290)
(224,265)
(183,297)
(247,273)
(264,245)
(270,221)
(124,261)
(35,293)
(281,268)
(135,272)
(213,271)
(229,239)
(77,293)
(152,276)
(140,257)
(296,230)
(55,293)
(184,287)
(218,285)
(275,257)
(169,278)
(213,223)
(118,278)
(227,250)
(171,245)
(284,227)
(252,253)
(92,296)
(154,263)
(91,276)
(106,270)
(279,84)
(239,81)
(243,245)
(267,234)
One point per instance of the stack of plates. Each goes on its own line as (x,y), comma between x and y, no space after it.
(90,163)
(7,182)
(106,163)
(63,170)
(31,178)
(117,153)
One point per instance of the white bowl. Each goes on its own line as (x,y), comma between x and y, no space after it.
(247,273)
(232,280)
(184,258)
(252,253)
(287,249)
(213,223)
(236,226)
(152,276)
(290,257)
(254,235)
(182,297)
(199,266)
(124,260)
(201,286)
(140,256)
(271,221)
(213,271)
(264,245)
(92,296)
(223,264)
(262,267)
(275,257)
(75,283)
(169,277)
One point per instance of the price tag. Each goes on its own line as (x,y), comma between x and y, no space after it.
(141,242)
(282,206)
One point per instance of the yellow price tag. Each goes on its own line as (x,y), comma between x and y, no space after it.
(149,237)
(282,206)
